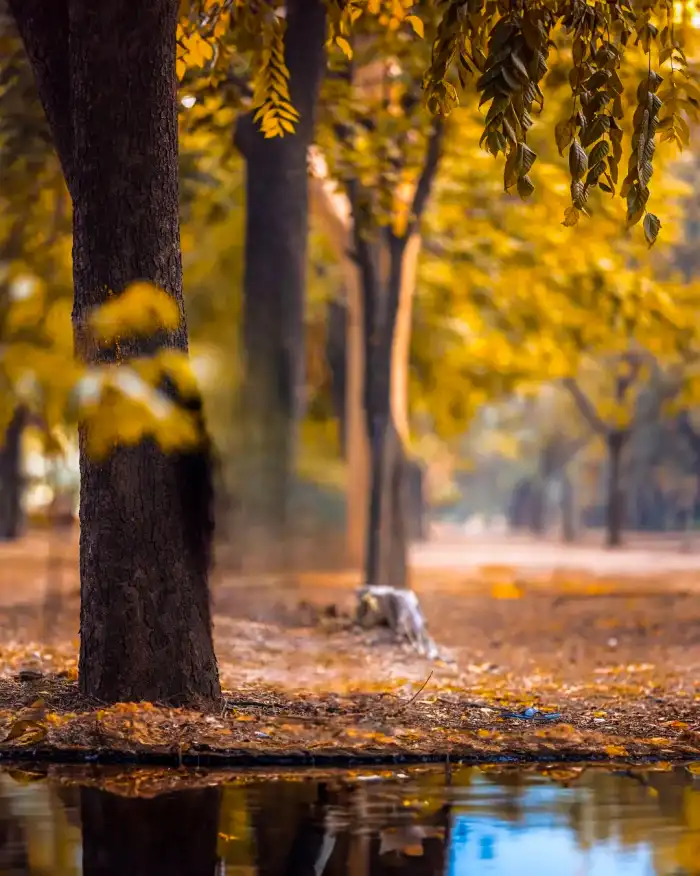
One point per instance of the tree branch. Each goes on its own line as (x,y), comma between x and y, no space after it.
(43,28)
(585,406)
(424,187)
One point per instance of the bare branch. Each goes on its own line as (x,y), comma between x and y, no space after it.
(585,406)
(429,172)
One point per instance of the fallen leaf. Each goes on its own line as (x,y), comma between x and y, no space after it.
(26,730)
(616,751)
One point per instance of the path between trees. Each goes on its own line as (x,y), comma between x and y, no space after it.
(616,658)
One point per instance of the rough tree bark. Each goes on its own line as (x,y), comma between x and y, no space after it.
(106,76)
(11,517)
(615,508)
(274,284)
(158,836)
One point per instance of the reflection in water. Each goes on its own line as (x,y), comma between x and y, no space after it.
(173,833)
(497,821)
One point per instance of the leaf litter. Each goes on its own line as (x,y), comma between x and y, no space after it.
(532,678)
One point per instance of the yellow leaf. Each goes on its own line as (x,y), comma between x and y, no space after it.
(26,730)
(506,590)
(416,24)
(141,309)
(616,751)
(344,46)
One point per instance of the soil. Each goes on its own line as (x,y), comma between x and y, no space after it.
(612,659)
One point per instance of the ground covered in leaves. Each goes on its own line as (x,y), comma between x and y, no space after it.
(539,665)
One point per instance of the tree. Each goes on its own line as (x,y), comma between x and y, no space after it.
(106,77)
(11,480)
(385,169)
(274,283)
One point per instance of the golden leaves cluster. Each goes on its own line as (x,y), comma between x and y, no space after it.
(509,71)
(119,404)
(271,97)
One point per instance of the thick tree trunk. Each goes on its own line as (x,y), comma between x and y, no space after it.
(274,285)
(615,507)
(170,834)
(145,521)
(11,517)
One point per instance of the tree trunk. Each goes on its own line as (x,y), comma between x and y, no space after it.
(274,285)
(386,597)
(11,517)
(169,834)
(615,507)
(387,537)
(333,210)
(336,355)
(416,502)
(537,518)
(337,360)
(569,527)
(144,515)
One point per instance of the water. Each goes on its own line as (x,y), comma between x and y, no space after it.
(568,821)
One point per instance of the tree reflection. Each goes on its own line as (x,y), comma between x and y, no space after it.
(344,826)
(169,835)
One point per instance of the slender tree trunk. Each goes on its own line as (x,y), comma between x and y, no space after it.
(11,517)
(540,489)
(387,537)
(274,284)
(416,504)
(169,834)
(615,508)
(537,518)
(337,360)
(336,355)
(569,528)
(106,76)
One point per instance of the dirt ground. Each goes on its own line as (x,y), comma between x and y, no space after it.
(607,660)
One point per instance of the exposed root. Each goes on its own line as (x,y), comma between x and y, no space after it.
(399,610)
